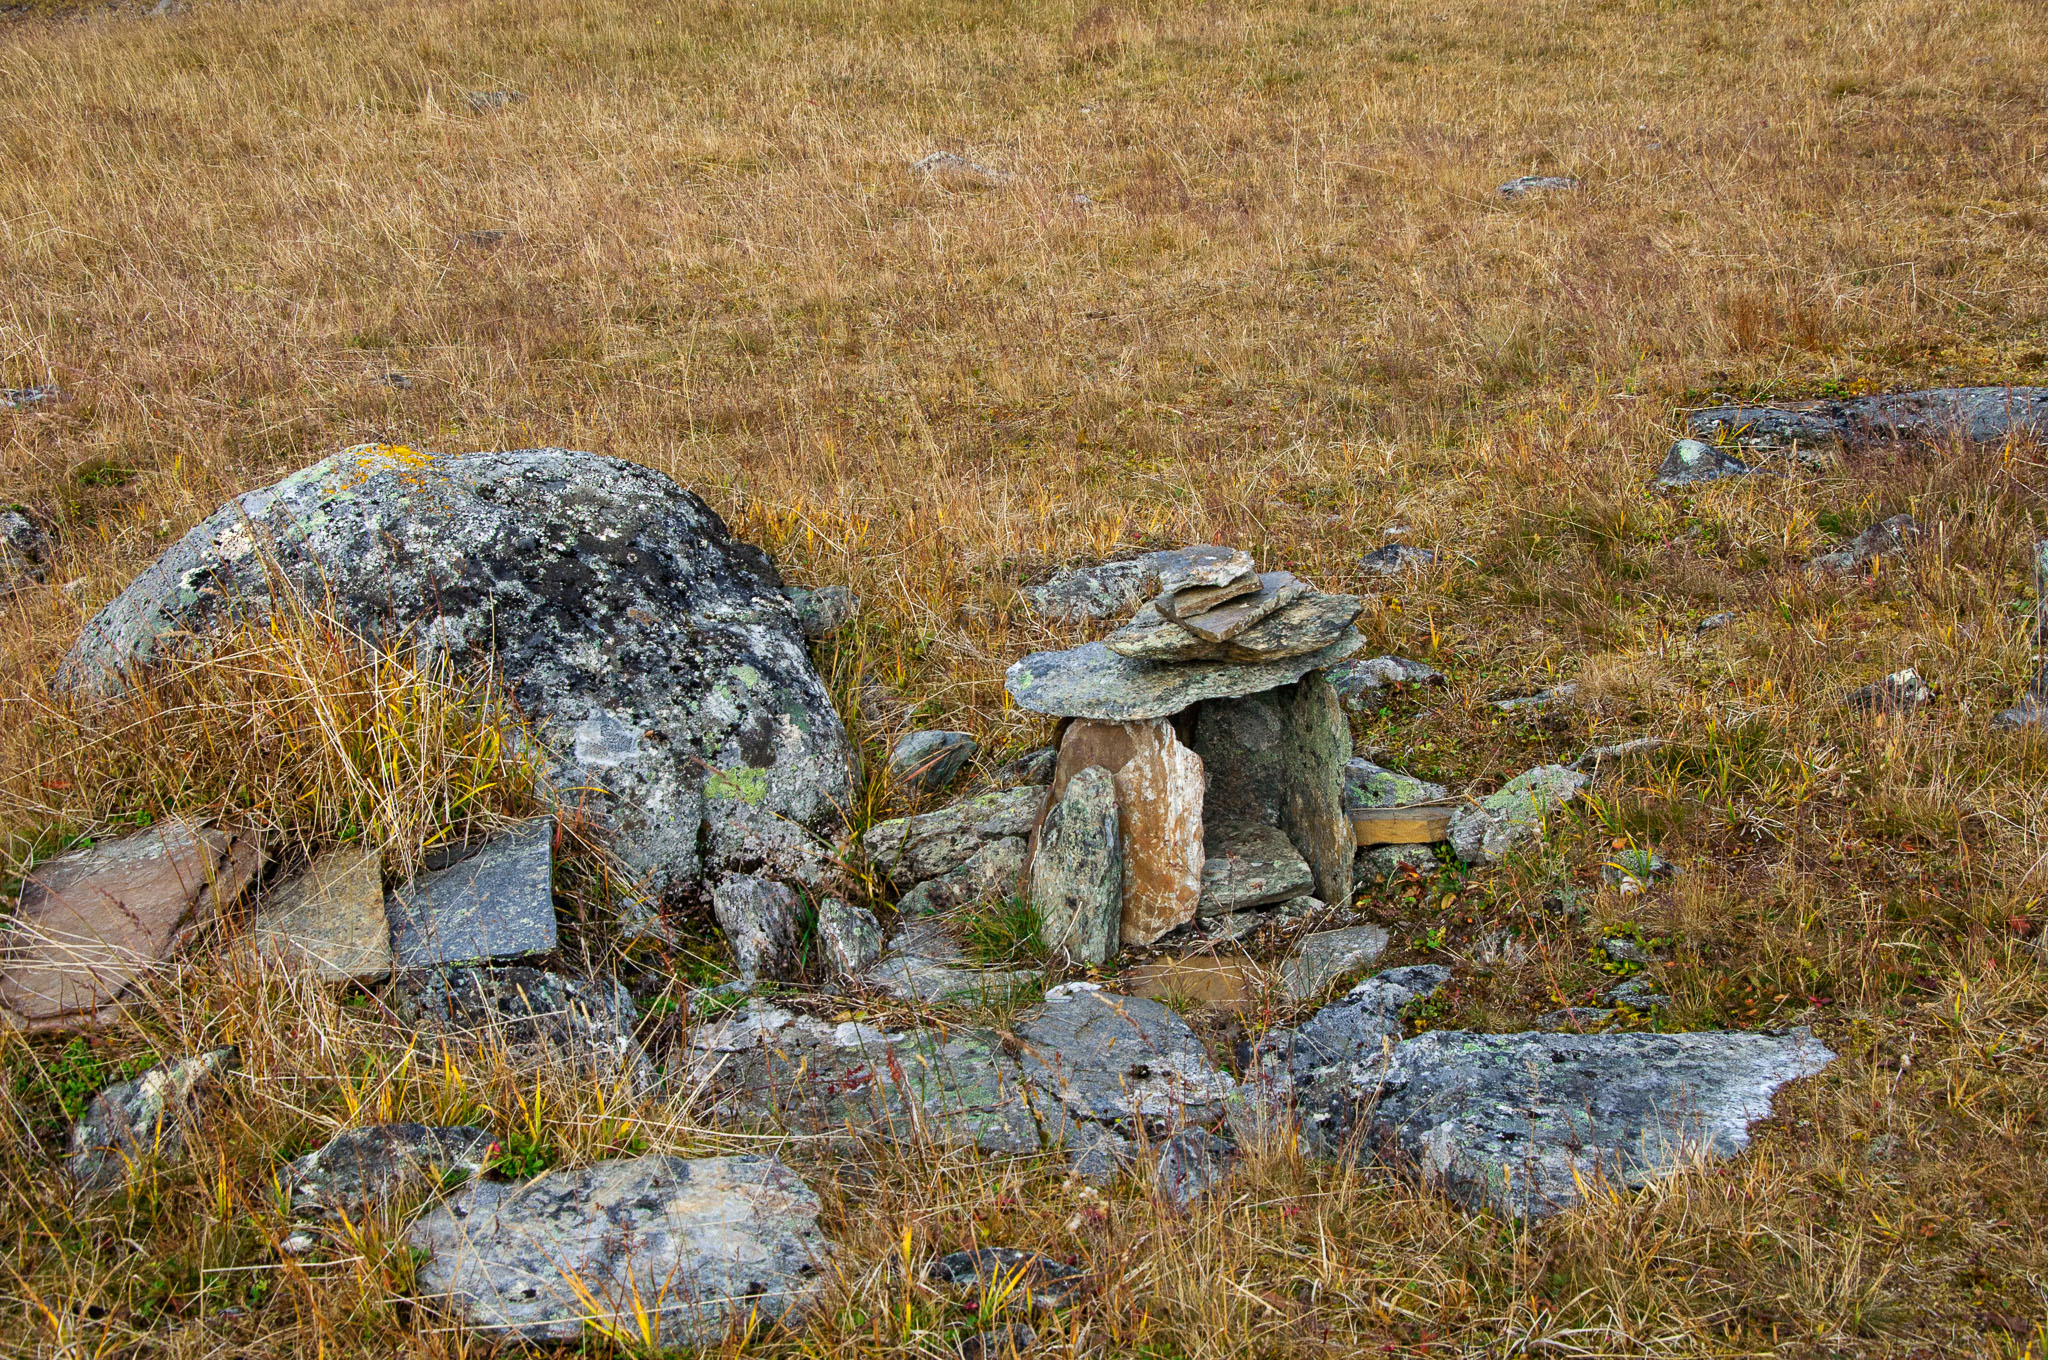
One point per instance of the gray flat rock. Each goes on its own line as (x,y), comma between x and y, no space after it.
(683,1248)
(849,935)
(1202,567)
(1396,559)
(331,918)
(497,902)
(1190,1165)
(924,964)
(1358,681)
(24,552)
(360,1171)
(1367,785)
(931,761)
(1192,600)
(1226,621)
(1093,682)
(1151,636)
(1302,628)
(1034,767)
(909,850)
(1979,414)
(1324,1071)
(537,1018)
(995,870)
(1037,1279)
(1527,1124)
(1250,864)
(824,610)
(1691,461)
(151,1116)
(1525,185)
(1501,822)
(1081,594)
(1119,1060)
(1323,958)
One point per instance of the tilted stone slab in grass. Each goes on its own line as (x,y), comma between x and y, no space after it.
(1502,822)
(1119,1060)
(536,1018)
(667,673)
(496,901)
(926,965)
(1093,682)
(1691,461)
(1531,1124)
(1323,958)
(331,918)
(92,922)
(1250,864)
(684,1249)
(149,1117)
(910,850)
(360,1171)
(1980,414)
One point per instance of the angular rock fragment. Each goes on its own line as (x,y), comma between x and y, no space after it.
(925,964)
(764,923)
(673,1250)
(93,921)
(149,1117)
(1691,461)
(909,850)
(1529,1124)
(1032,768)
(1191,1163)
(1151,636)
(1326,1070)
(1979,414)
(1159,817)
(666,672)
(1304,628)
(1356,681)
(995,870)
(330,919)
(1119,1060)
(1537,184)
(1193,600)
(24,552)
(823,611)
(1394,559)
(1367,785)
(1078,870)
(1031,1278)
(1277,589)
(1250,864)
(1540,699)
(1500,822)
(1322,959)
(849,935)
(1887,538)
(1899,692)
(490,901)
(1080,594)
(1203,567)
(360,1171)
(931,761)
(534,1018)
(1596,756)
(1094,682)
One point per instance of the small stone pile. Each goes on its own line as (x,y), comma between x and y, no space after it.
(1215,605)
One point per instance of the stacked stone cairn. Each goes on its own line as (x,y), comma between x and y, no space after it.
(1200,777)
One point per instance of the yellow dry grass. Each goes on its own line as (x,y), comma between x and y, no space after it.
(1291,312)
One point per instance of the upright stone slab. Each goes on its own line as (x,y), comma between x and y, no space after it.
(1315,747)
(495,902)
(331,918)
(1077,874)
(1159,817)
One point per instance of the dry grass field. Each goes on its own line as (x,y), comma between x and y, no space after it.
(1250,283)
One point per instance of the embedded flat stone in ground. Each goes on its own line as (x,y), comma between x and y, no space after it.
(1979,414)
(683,1248)
(330,918)
(537,1018)
(495,903)
(1500,822)
(1159,817)
(1094,682)
(910,850)
(1323,958)
(925,964)
(1250,864)
(1119,1059)
(1694,460)
(150,1116)
(93,921)
(359,1171)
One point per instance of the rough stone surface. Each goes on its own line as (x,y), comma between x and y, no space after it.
(664,668)
(1502,821)
(1250,864)
(1202,567)
(1151,636)
(1383,863)
(1596,756)
(909,850)
(1032,768)
(1887,538)
(995,870)
(1230,619)
(1979,414)
(1327,1070)
(90,923)
(1357,681)
(1303,628)
(359,1171)
(1899,692)
(1367,785)
(1094,682)
(1323,958)
(331,918)
(150,1116)
(1034,1279)
(1315,747)
(763,921)
(24,552)
(849,935)
(1191,1163)
(1119,1060)
(684,1248)
(1693,460)
(1520,1122)
(1537,184)
(496,901)
(931,761)
(1077,871)
(1192,600)
(537,1018)
(999,1343)
(1395,559)
(954,166)
(925,964)
(1082,594)
(21,398)
(824,610)
(1159,817)
(1540,699)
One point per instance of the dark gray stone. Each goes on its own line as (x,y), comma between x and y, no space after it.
(1357,681)
(151,1116)
(1084,594)
(1395,559)
(1979,414)
(1094,682)
(1249,864)
(1714,621)
(1692,460)
(1367,785)
(1888,538)
(1191,1164)
(1321,959)
(1502,822)
(824,610)
(1032,768)
(1537,184)
(24,552)
(1098,1154)
(995,870)
(665,670)
(1314,750)
(1077,874)
(1540,699)
(764,923)
(1032,1278)
(849,935)
(683,1248)
(909,850)
(1119,1060)
(1526,1124)
(360,1171)
(1899,692)
(931,761)
(925,964)
(536,1018)
(999,1343)
(495,902)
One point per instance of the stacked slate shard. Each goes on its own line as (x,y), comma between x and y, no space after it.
(1233,613)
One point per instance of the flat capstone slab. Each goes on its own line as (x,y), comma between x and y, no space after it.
(1091,681)
(497,903)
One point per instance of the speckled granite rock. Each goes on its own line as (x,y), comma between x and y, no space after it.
(665,669)
(150,1116)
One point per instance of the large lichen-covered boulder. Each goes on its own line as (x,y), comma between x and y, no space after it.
(662,664)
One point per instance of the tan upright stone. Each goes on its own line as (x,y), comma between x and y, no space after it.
(331,918)
(1159,816)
